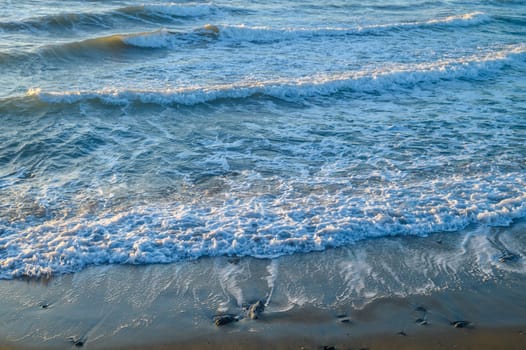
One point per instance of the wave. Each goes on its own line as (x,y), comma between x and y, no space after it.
(390,77)
(259,225)
(62,21)
(109,19)
(462,20)
(99,48)
(261,34)
(169,39)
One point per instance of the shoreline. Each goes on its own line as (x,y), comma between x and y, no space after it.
(354,297)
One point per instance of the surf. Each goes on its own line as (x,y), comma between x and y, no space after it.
(390,77)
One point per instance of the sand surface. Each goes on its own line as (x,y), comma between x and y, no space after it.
(56,315)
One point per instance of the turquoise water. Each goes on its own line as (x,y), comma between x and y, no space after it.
(159,132)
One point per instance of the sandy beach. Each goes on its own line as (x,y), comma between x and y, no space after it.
(306,306)
(235,174)
(496,322)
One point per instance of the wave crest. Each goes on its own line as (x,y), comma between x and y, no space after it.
(373,80)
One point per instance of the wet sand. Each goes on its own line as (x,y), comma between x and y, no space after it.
(483,339)
(383,324)
(316,300)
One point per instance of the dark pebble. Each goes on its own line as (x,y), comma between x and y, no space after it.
(256,309)
(221,320)
(328,347)
(77,342)
(460,324)
(341,315)
(44,305)
(402,333)
(345,320)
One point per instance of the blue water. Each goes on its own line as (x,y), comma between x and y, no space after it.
(157,132)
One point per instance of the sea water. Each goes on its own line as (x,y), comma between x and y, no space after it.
(162,132)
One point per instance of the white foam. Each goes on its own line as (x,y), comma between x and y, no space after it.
(265,33)
(158,39)
(180,231)
(471,18)
(367,80)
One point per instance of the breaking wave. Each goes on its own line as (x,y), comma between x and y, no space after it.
(170,39)
(373,80)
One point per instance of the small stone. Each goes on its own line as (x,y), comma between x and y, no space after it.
(328,347)
(255,309)
(44,305)
(460,324)
(341,316)
(402,333)
(221,320)
(77,342)
(345,320)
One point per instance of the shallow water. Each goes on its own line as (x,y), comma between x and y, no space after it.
(156,133)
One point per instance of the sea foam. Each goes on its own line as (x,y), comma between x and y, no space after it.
(379,79)
(257,225)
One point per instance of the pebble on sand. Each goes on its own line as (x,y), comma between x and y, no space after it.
(256,309)
(221,320)
(460,324)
